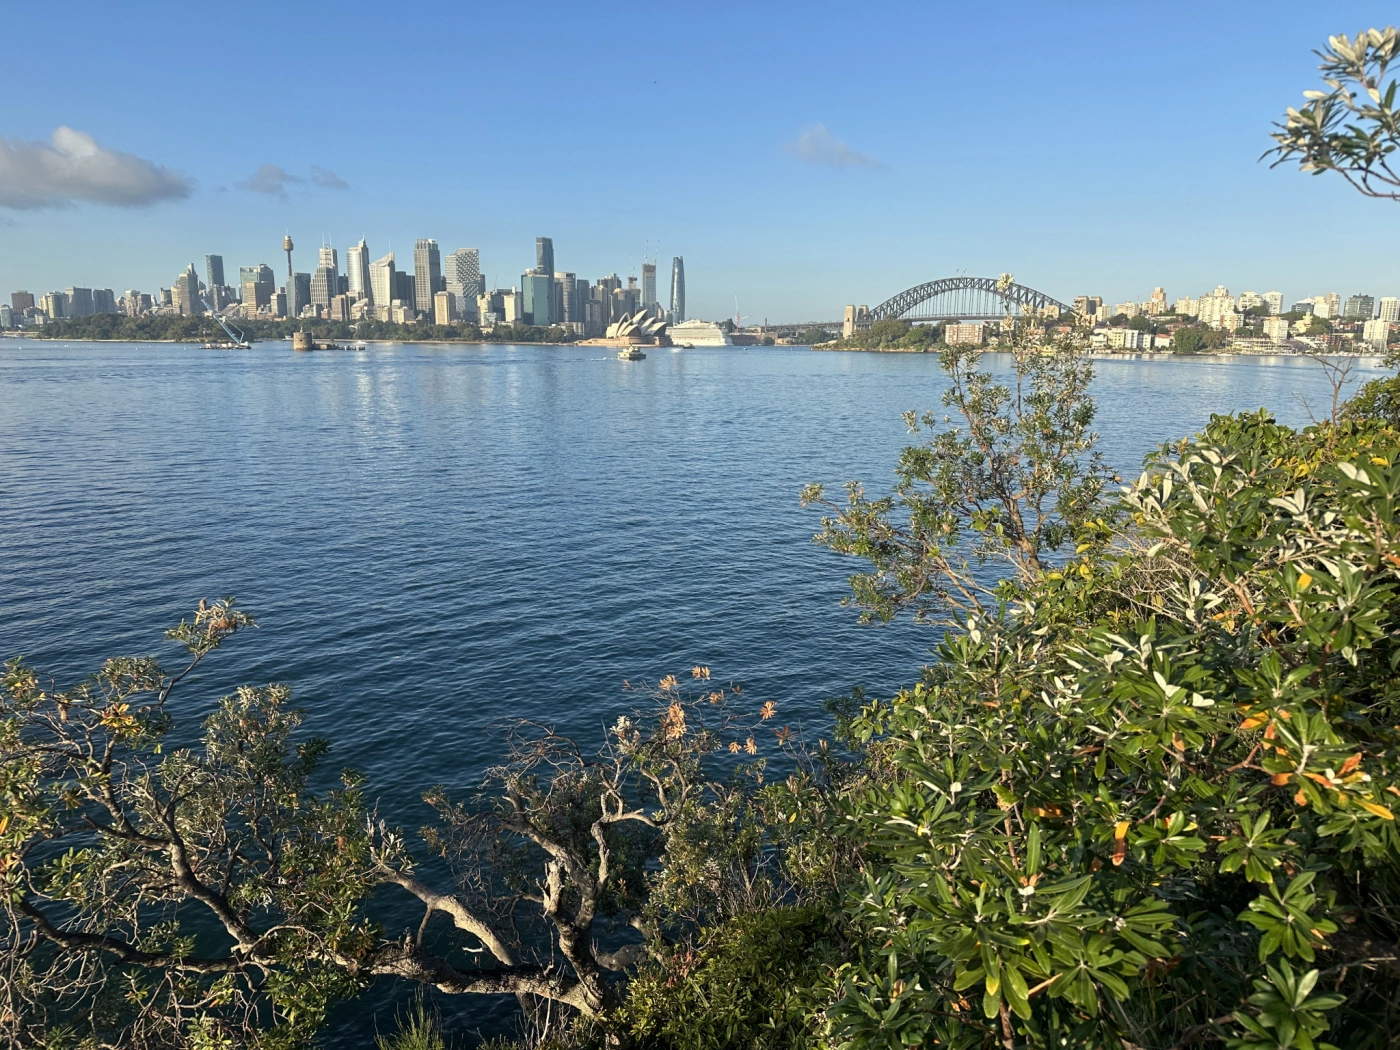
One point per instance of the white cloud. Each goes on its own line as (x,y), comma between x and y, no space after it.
(817,145)
(73,167)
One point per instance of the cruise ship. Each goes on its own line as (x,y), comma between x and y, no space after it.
(698,333)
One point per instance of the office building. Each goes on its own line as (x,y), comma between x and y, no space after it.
(21,301)
(7,316)
(340,308)
(299,293)
(213,271)
(79,301)
(677,289)
(357,272)
(324,286)
(381,281)
(568,307)
(544,254)
(54,305)
(1390,308)
(1359,308)
(103,301)
(134,304)
(427,274)
(260,274)
(537,297)
(464,275)
(1376,332)
(648,285)
(184,293)
(444,308)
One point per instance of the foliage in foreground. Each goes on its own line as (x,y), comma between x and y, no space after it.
(1149,801)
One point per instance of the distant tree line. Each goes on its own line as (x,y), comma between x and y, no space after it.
(179,328)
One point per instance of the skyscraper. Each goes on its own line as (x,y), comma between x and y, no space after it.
(464,274)
(298,293)
(357,269)
(325,282)
(79,302)
(55,305)
(427,273)
(184,293)
(21,301)
(677,289)
(537,291)
(381,281)
(103,301)
(213,271)
(1390,308)
(544,254)
(648,285)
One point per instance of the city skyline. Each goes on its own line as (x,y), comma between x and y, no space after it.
(799,193)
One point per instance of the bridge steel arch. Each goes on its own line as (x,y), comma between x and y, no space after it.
(964,299)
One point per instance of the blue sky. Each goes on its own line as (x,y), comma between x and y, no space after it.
(801,156)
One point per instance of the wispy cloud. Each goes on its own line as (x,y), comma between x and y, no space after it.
(817,145)
(273,180)
(327,179)
(269,179)
(72,167)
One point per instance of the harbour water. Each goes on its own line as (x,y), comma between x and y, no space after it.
(436,538)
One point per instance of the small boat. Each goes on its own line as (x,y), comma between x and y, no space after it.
(228,345)
(632,353)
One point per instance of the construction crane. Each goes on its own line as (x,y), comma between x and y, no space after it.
(236,339)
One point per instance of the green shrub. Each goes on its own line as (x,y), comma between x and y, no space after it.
(755,982)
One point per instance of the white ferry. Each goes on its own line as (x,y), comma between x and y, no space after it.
(698,333)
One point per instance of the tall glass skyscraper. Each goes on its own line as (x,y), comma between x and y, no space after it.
(677,290)
(648,285)
(357,270)
(213,271)
(427,273)
(464,274)
(544,255)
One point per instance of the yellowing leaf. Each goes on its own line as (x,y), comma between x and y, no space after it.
(1380,811)
(1120,830)
(1378,461)
(1279,779)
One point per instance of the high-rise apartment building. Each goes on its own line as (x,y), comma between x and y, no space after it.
(427,274)
(21,301)
(1274,301)
(1359,308)
(213,271)
(79,302)
(1390,308)
(648,285)
(677,289)
(544,254)
(1156,303)
(357,272)
(1376,332)
(444,308)
(103,301)
(1329,305)
(184,293)
(464,275)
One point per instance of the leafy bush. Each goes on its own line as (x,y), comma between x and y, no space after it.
(754,982)
(1151,798)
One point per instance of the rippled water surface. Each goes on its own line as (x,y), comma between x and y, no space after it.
(435,538)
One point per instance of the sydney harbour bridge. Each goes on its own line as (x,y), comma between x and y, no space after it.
(949,299)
